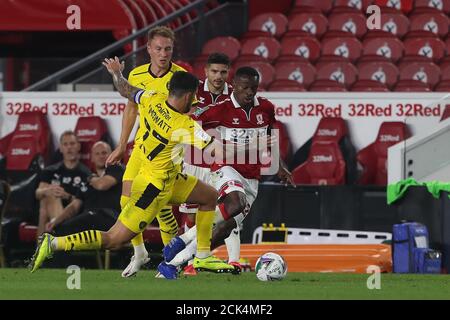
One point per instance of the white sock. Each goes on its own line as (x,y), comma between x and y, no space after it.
(186,228)
(233,243)
(186,255)
(140,251)
(187,237)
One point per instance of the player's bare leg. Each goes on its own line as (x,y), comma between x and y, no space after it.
(50,207)
(115,238)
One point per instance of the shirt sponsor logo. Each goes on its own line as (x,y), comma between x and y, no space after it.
(322,158)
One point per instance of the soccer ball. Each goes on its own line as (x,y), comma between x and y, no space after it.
(270,266)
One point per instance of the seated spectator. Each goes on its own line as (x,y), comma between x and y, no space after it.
(61,181)
(99,206)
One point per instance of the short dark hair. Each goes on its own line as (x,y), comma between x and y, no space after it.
(181,83)
(218,58)
(67,133)
(248,72)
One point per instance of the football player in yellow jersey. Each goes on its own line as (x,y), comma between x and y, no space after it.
(151,76)
(159,181)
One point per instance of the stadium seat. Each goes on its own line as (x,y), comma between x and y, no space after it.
(324,166)
(373,158)
(268,48)
(89,130)
(378,34)
(265,70)
(432,48)
(434,22)
(273,22)
(344,73)
(186,65)
(394,5)
(344,9)
(349,22)
(394,22)
(346,47)
(369,86)
(326,86)
(330,129)
(407,60)
(228,45)
(426,72)
(313,23)
(303,73)
(415,34)
(383,72)
(285,85)
(411,86)
(253,34)
(323,5)
(360,5)
(248,58)
(326,59)
(443,5)
(305,47)
(390,48)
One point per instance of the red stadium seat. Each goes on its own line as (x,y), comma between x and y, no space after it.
(395,5)
(436,23)
(426,72)
(330,129)
(369,86)
(254,34)
(378,34)
(419,34)
(395,23)
(305,47)
(303,73)
(445,71)
(344,73)
(360,5)
(354,23)
(31,124)
(89,130)
(390,48)
(337,34)
(326,59)
(285,142)
(373,158)
(285,85)
(268,48)
(325,165)
(411,86)
(346,47)
(443,86)
(21,151)
(186,65)
(407,60)
(313,23)
(228,45)
(324,5)
(383,72)
(273,22)
(433,48)
(265,70)
(326,86)
(441,5)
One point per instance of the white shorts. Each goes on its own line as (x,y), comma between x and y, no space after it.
(227,179)
(224,180)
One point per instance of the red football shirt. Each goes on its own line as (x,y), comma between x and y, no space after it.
(236,125)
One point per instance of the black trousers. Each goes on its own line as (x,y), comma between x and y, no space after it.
(95,219)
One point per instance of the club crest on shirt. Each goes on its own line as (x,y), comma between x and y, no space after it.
(235,120)
(259,119)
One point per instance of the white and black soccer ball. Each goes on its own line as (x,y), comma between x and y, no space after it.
(270,266)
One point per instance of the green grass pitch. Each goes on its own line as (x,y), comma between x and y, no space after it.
(99,284)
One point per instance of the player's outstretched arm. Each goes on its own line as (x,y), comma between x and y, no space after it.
(115,68)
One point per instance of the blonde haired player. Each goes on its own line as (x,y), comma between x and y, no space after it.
(151,76)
